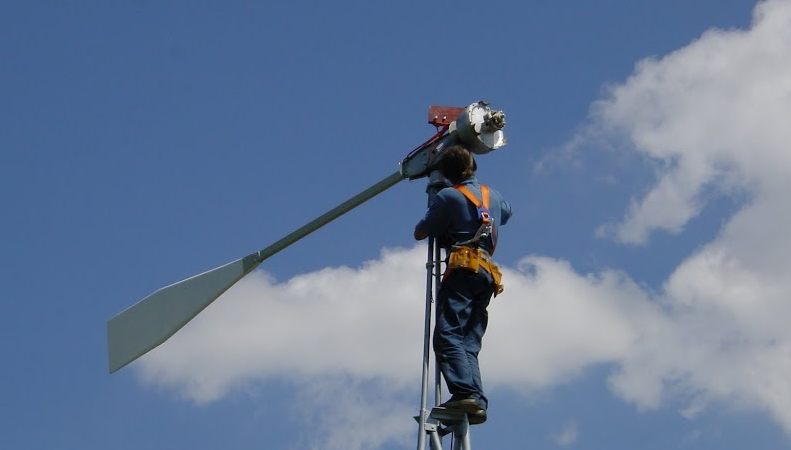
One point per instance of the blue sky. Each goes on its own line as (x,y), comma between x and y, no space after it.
(646,265)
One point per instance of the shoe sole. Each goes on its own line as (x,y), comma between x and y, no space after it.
(477,418)
(469,407)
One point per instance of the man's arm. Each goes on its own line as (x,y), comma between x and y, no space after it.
(506,212)
(435,222)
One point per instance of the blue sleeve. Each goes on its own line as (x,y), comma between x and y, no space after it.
(436,221)
(505,212)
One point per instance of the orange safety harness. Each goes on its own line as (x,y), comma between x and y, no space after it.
(464,257)
(483,212)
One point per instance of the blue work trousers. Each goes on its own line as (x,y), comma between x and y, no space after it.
(461,322)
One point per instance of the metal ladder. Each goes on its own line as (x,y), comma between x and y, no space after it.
(438,422)
(441,422)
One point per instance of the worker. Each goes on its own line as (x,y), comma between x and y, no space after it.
(465,218)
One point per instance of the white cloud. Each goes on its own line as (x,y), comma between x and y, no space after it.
(568,435)
(713,116)
(351,339)
(333,322)
(346,413)
(552,323)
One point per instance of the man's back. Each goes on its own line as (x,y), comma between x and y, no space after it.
(451,215)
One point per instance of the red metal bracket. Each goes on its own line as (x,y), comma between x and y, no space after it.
(442,116)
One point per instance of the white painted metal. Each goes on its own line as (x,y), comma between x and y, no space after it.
(480,128)
(154,319)
(151,321)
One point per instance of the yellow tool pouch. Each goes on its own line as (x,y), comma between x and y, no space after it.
(464,258)
(474,259)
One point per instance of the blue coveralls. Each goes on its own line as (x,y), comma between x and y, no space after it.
(463,295)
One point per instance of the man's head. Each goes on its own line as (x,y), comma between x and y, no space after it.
(457,163)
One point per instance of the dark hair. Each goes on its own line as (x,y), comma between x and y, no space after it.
(457,163)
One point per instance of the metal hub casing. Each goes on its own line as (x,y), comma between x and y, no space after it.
(480,128)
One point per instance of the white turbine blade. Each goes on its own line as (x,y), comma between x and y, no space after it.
(154,319)
(151,321)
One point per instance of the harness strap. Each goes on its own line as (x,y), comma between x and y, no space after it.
(483,208)
(475,200)
(462,257)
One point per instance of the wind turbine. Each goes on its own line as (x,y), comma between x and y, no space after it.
(151,321)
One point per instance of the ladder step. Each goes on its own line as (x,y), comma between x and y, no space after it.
(451,416)
(447,415)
